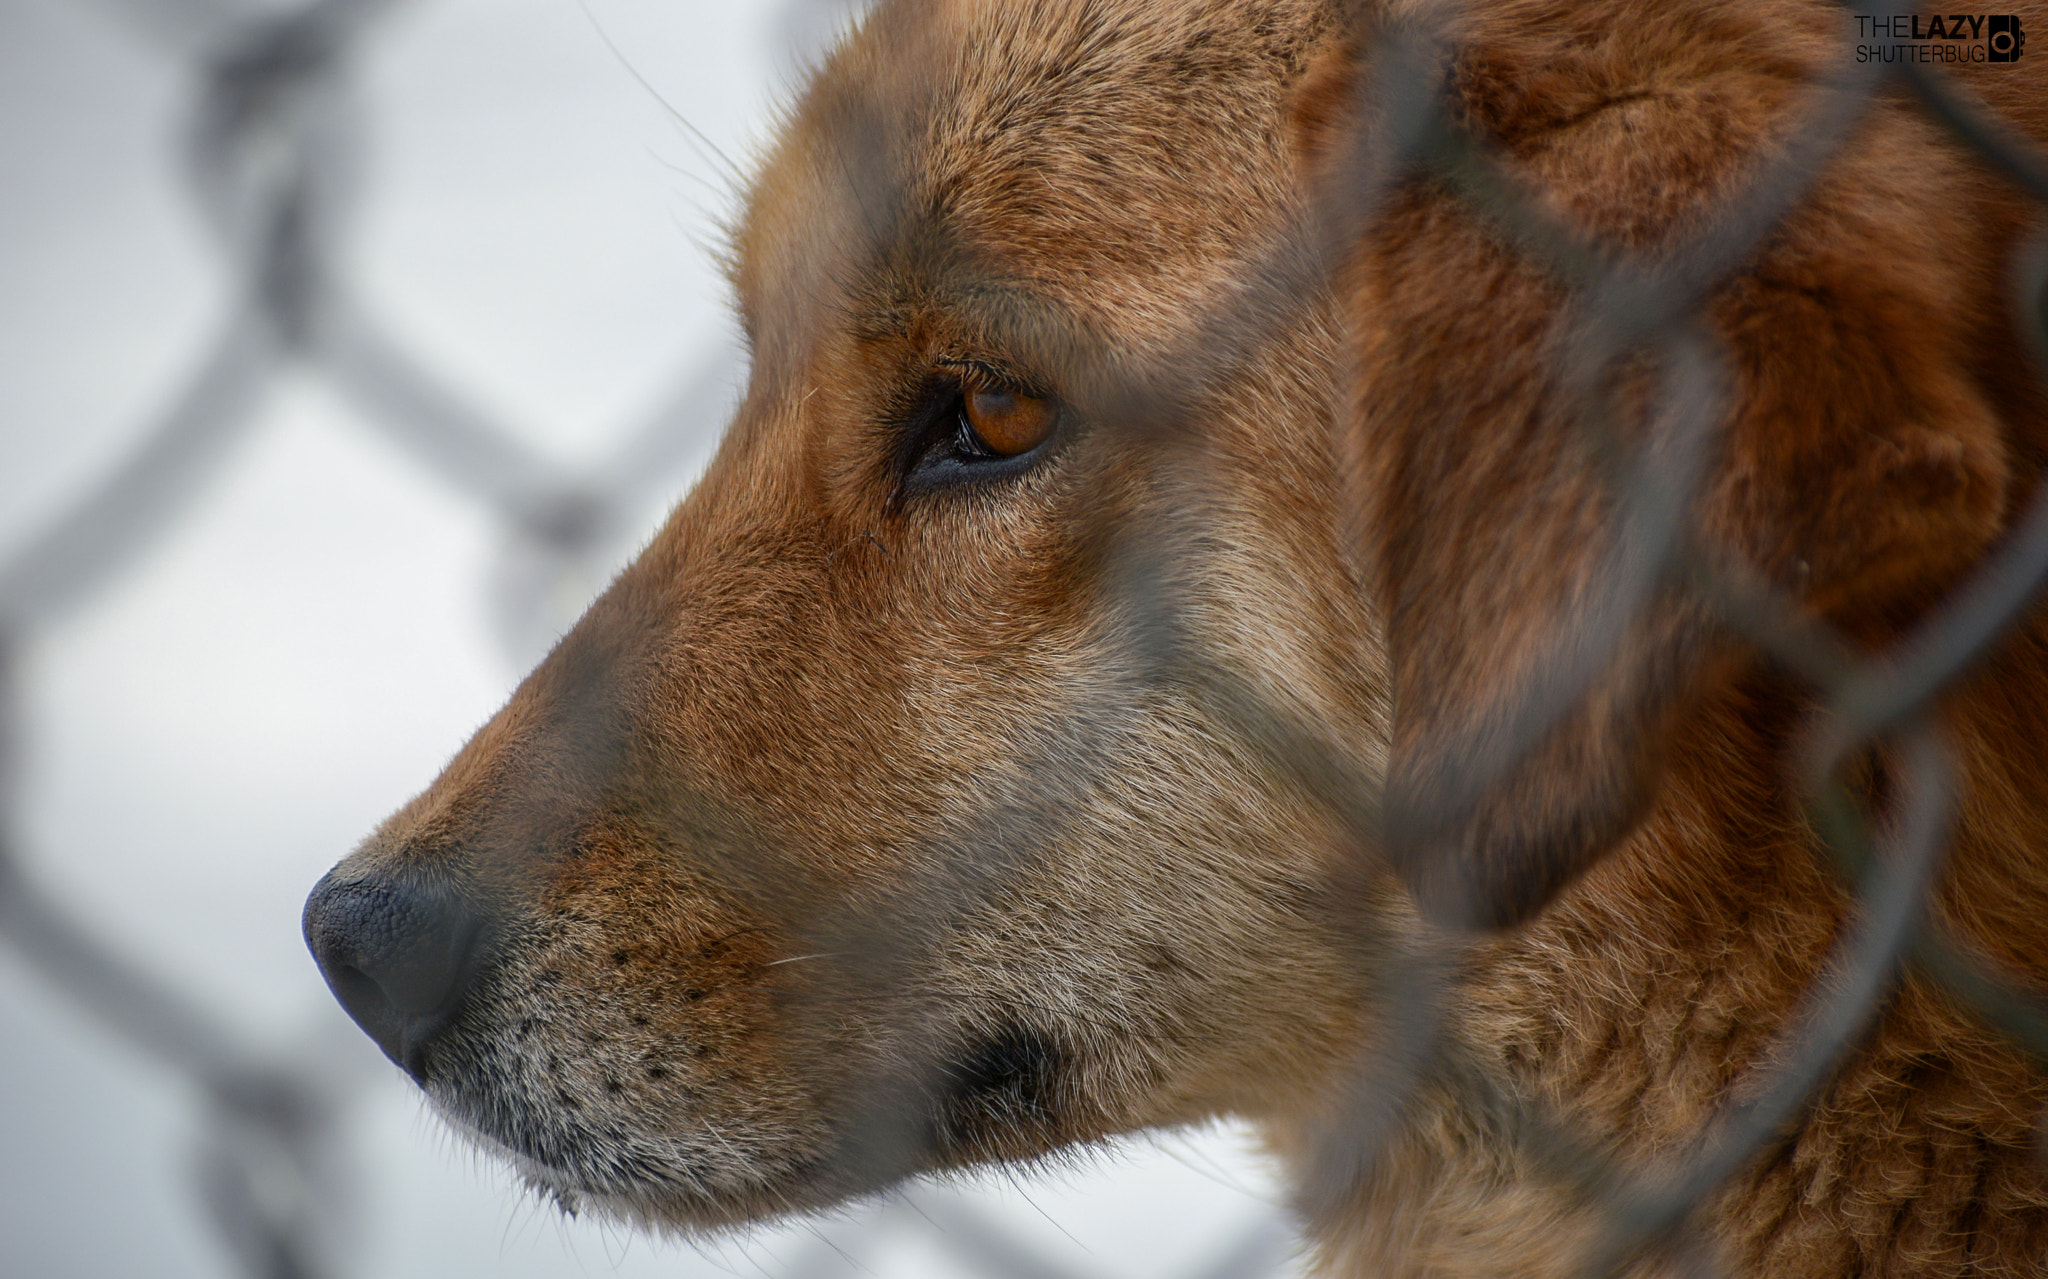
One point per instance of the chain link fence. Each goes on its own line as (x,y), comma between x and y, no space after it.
(273,152)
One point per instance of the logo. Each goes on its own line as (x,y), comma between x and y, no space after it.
(2007,41)
(1934,37)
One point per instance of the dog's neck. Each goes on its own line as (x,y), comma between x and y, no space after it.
(1592,1052)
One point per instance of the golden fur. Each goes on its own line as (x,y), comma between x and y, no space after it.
(874,821)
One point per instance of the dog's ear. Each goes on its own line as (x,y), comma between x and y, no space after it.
(1540,681)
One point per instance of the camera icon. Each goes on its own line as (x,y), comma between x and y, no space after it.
(2007,41)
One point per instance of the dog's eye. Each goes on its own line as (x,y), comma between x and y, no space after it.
(1002,423)
(975,428)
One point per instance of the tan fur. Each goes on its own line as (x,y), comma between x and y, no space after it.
(863,829)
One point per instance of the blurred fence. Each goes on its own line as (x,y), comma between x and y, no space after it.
(271,154)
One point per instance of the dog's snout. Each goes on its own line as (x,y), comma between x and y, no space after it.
(401,956)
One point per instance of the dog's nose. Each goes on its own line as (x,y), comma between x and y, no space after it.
(401,955)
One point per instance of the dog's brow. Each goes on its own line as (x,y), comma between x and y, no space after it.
(1009,326)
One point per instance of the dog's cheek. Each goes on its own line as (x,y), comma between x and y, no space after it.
(1171,941)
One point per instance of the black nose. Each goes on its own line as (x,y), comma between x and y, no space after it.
(400,955)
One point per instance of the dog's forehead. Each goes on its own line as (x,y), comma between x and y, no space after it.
(1112,159)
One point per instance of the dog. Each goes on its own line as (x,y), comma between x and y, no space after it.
(1071,701)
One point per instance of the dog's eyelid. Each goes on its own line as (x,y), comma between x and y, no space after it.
(976,374)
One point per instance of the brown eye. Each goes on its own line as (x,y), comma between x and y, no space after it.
(1007,423)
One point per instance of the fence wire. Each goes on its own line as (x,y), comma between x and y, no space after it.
(272,157)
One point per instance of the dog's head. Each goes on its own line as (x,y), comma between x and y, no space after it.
(883,815)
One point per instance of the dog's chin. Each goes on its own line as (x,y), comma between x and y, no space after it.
(697,1174)
(664,1184)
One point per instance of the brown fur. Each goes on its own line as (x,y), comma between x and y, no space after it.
(865,828)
